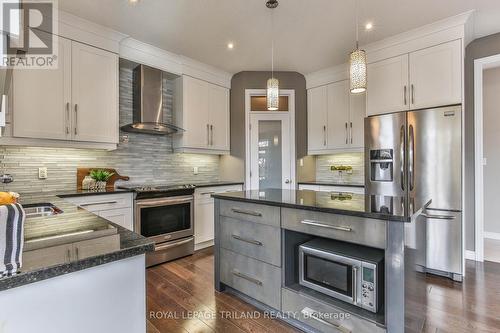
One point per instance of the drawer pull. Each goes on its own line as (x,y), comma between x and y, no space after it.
(248,278)
(205,193)
(318,224)
(245,212)
(251,241)
(310,313)
(98,203)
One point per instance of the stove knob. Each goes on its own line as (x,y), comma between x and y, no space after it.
(370,288)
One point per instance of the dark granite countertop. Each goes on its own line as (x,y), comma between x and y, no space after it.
(73,225)
(387,208)
(217,183)
(323,183)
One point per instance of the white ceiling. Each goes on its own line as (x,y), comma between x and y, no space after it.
(309,34)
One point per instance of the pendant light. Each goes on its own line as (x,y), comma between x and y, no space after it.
(357,64)
(273,93)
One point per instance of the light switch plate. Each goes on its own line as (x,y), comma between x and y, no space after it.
(195,170)
(42,173)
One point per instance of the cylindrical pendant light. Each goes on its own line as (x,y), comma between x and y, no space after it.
(357,65)
(273,91)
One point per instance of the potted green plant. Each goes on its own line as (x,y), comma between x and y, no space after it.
(101,177)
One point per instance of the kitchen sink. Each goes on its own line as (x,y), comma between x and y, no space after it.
(41,210)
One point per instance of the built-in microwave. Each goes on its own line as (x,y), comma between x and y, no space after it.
(348,272)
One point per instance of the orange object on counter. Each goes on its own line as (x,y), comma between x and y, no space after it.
(8,198)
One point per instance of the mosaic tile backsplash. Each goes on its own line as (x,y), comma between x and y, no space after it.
(145,158)
(355,160)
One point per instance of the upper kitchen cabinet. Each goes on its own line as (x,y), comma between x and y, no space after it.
(387,86)
(94,91)
(425,78)
(77,102)
(202,110)
(335,119)
(436,76)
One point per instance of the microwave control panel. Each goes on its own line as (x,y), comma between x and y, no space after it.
(368,290)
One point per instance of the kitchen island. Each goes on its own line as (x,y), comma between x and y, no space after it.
(80,273)
(258,235)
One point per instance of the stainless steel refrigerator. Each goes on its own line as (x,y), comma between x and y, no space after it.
(418,155)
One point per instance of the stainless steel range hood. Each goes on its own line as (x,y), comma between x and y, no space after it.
(147,114)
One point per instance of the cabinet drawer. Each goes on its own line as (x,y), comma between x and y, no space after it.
(254,278)
(251,212)
(343,189)
(324,317)
(257,241)
(95,203)
(345,228)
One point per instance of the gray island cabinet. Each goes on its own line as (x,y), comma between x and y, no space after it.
(259,237)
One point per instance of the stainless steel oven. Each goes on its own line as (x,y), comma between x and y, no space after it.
(348,272)
(168,221)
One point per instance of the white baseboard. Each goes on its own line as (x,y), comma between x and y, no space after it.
(470,255)
(492,235)
(203,245)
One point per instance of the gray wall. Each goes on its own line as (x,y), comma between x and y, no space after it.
(482,47)
(145,158)
(233,167)
(491,141)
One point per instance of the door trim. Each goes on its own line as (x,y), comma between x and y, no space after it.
(479,66)
(291,113)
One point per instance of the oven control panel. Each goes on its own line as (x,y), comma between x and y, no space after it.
(368,290)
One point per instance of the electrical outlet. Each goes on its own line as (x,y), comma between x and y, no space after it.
(195,170)
(42,173)
(301,162)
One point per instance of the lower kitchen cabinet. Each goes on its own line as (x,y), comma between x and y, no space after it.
(204,213)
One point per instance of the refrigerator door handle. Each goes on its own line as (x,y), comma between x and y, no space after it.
(402,154)
(411,158)
(438,217)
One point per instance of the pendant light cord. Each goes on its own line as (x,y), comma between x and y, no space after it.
(357,24)
(272,44)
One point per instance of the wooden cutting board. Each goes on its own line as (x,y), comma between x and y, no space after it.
(82,172)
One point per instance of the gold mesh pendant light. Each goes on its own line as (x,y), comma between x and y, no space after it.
(273,91)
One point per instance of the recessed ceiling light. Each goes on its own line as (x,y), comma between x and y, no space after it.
(133,2)
(369,26)
(230,46)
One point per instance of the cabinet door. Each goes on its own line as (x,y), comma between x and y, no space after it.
(94,94)
(94,247)
(357,113)
(218,111)
(317,109)
(436,75)
(42,99)
(387,86)
(48,256)
(338,115)
(123,217)
(204,222)
(195,113)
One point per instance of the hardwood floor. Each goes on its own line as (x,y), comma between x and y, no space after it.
(181,298)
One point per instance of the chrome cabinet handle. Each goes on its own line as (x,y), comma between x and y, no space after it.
(355,285)
(346,140)
(250,241)
(76,119)
(211,135)
(77,252)
(402,154)
(205,193)
(310,313)
(404,95)
(412,94)
(438,217)
(319,224)
(350,132)
(324,135)
(67,117)
(68,255)
(208,135)
(411,158)
(245,212)
(98,203)
(248,278)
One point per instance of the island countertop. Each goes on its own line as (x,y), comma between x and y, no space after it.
(396,209)
(73,225)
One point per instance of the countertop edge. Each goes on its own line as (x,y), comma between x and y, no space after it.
(320,183)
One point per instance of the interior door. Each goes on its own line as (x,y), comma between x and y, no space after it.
(317,109)
(387,86)
(94,94)
(42,99)
(338,115)
(270,152)
(218,111)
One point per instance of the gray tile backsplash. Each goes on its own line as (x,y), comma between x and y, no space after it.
(355,160)
(145,158)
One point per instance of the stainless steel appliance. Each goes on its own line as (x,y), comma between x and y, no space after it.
(165,214)
(418,155)
(348,272)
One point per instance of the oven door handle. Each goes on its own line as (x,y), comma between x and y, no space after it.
(173,244)
(319,224)
(310,313)
(163,202)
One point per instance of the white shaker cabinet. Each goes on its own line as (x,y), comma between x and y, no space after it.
(387,86)
(202,110)
(436,76)
(317,119)
(338,115)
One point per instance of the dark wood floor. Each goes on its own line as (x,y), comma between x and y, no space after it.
(181,298)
